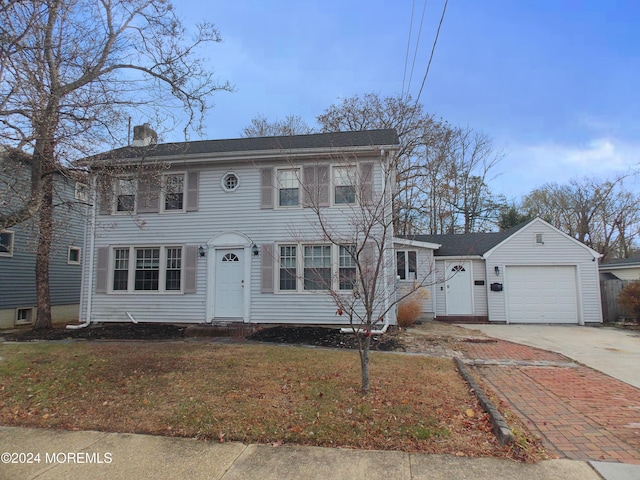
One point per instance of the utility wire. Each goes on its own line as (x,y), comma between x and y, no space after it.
(435,42)
(406,58)
(415,52)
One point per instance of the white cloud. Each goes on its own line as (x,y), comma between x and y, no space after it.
(528,166)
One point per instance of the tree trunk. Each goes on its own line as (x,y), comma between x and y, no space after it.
(45,232)
(364,362)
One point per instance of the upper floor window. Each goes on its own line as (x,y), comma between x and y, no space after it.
(173,192)
(126,194)
(6,243)
(406,264)
(73,256)
(289,187)
(230,181)
(81,192)
(344,184)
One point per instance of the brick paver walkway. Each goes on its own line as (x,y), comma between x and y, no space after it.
(580,413)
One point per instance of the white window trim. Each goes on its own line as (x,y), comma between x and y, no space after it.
(81,191)
(333,184)
(24,322)
(301,194)
(163,192)
(223,182)
(131,273)
(300,290)
(115,210)
(11,244)
(407,274)
(71,262)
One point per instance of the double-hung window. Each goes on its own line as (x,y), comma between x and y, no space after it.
(288,268)
(126,194)
(147,269)
(344,184)
(406,263)
(173,192)
(288,187)
(317,267)
(346,267)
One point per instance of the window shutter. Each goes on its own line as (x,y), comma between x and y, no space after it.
(105,194)
(366,182)
(148,194)
(192,191)
(190,269)
(102,269)
(316,185)
(367,261)
(268,262)
(266,188)
(322,179)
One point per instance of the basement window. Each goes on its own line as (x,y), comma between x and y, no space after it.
(24,316)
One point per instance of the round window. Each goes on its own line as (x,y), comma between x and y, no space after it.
(230,182)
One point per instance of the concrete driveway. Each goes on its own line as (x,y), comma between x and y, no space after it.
(612,351)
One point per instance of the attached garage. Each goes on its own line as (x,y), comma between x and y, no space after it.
(541,293)
(531,273)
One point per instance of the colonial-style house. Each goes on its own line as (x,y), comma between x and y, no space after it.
(229,230)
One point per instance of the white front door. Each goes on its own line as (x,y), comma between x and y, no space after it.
(458,285)
(229,274)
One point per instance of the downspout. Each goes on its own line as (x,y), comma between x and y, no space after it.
(92,237)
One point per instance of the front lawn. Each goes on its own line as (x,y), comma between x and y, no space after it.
(247,393)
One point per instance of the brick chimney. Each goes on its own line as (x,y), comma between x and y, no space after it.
(144,135)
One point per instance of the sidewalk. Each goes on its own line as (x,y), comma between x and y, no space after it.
(126,456)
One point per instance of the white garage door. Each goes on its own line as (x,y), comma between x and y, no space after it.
(541,294)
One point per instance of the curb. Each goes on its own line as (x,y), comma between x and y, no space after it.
(500,429)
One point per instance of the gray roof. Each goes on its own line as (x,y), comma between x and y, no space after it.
(622,262)
(464,244)
(363,138)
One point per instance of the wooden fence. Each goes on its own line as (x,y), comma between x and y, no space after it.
(611,308)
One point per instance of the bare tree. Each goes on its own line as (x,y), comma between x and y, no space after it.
(602,214)
(442,172)
(291,125)
(72,71)
(364,289)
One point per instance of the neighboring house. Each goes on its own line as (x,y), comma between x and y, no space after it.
(19,242)
(622,268)
(221,230)
(532,273)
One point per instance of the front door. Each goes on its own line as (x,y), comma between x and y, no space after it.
(229,274)
(458,284)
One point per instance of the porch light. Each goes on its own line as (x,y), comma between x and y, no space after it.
(201,251)
(254,250)
(497,270)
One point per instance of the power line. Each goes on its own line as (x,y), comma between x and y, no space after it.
(406,58)
(435,42)
(415,52)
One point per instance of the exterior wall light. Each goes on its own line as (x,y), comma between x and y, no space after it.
(201,251)
(254,250)
(497,270)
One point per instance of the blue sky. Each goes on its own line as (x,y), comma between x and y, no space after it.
(555,83)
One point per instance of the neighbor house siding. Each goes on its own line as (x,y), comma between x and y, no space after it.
(557,249)
(630,273)
(17,282)
(244,211)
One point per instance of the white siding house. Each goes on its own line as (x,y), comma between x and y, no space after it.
(532,273)
(227,230)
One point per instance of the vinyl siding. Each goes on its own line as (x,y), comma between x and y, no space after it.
(219,211)
(17,281)
(426,276)
(558,249)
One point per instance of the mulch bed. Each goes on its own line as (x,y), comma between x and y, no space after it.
(316,336)
(324,337)
(126,331)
